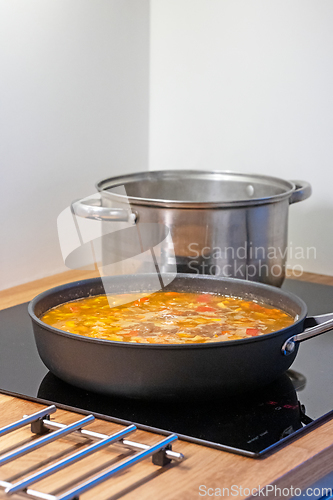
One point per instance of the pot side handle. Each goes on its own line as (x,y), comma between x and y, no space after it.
(93,209)
(302,192)
(316,326)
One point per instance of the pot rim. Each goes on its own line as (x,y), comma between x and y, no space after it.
(287,187)
(75,284)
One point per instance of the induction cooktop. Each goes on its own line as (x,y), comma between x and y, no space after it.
(250,424)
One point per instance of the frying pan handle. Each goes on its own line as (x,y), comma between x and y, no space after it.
(316,326)
(93,209)
(302,192)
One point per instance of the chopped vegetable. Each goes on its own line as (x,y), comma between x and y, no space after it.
(253,332)
(205,309)
(167,318)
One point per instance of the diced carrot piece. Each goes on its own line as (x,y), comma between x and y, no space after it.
(252,331)
(140,301)
(205,309)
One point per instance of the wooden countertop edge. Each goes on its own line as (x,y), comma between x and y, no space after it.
(27,291)
(302,476)
(204,465)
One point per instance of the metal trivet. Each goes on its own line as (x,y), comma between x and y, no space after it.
(161,453)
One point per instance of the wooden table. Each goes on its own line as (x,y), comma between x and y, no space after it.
(297,465)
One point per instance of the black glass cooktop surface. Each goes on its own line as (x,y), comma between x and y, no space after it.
(250,424)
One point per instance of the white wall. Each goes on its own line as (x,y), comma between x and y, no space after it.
(233,84)
(247,85)
(74,109)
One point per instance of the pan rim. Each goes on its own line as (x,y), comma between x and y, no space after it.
(74,336)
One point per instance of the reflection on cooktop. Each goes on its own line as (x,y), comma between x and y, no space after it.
(251,423)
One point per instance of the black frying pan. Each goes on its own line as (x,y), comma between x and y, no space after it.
(158,371)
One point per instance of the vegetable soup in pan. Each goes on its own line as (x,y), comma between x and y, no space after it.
(167,318)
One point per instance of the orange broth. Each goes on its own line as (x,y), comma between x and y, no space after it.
(167,318)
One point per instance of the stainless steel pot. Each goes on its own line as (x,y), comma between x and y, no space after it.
(222,223)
